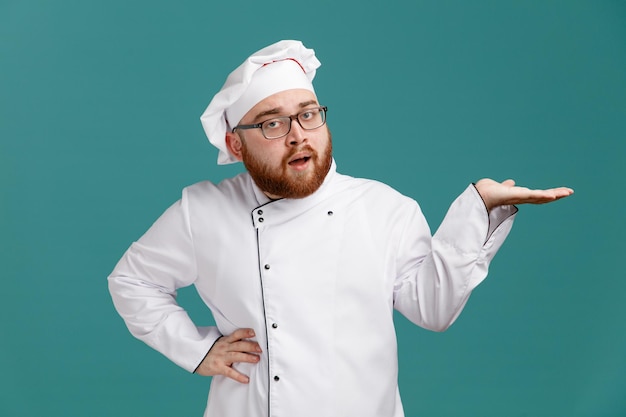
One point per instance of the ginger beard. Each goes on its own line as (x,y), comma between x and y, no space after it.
(284,182)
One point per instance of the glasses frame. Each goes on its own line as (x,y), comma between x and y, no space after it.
(296,117)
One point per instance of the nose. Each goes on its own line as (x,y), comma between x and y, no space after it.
(296,134)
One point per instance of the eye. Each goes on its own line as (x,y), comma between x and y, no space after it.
(273,124)
(309,114)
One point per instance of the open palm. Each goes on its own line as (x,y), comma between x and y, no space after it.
(502,193)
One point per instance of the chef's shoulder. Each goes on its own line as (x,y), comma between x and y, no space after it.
(375,194)
(229,192)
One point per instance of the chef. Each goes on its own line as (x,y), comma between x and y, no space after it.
(301,267)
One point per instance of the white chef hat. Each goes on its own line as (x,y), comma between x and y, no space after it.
(282,66)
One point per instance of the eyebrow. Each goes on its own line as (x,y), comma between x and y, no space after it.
(278,110)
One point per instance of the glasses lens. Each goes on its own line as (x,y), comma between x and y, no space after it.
(312,118)
(276,128)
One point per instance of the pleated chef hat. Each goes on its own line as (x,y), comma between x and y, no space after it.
(282,66)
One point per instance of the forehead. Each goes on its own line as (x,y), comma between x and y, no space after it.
(284,102)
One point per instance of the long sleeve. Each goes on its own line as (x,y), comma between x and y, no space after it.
(143,287)
(437,275)
(315,277)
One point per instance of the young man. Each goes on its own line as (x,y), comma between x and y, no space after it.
(301,266)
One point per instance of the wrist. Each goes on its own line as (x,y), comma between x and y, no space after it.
(480,189)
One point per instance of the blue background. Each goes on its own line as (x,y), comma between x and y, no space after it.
(99,132)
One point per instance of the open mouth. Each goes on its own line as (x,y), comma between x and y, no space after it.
(299,161)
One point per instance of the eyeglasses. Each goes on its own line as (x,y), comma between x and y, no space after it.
(278,127)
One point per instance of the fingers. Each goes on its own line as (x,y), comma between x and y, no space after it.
(235,341)
(545,196)
(239,357)
(226,368)
(556,192)
(563,191)
(240,334)
(507,193)
(230,350)
(237,376)
(245,346)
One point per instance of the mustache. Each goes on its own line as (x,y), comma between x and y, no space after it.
(304,148)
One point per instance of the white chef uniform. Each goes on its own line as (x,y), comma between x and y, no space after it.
(317,279)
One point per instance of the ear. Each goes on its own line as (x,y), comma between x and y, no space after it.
(234,145)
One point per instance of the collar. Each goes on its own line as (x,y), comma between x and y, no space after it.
(284,209)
